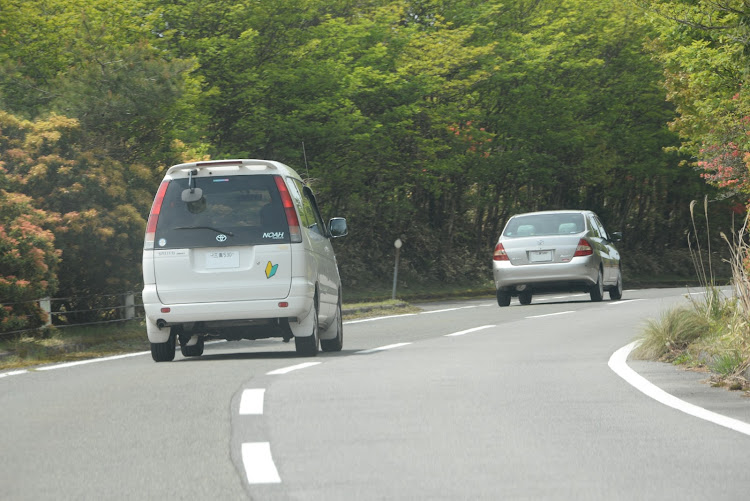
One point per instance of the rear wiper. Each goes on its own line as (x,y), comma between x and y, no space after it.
(204,228)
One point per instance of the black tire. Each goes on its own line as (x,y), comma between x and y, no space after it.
(193,351)
(597,290)
(524,297)
(308,346)
(503,298)
(336,343)
(164,352)
(615,293)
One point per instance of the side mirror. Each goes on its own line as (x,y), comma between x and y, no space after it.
(192,195)
(616,236)
(337,227)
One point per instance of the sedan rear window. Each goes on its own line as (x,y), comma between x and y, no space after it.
(545,224)
(234,210)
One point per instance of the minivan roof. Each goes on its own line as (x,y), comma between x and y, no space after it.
(238,164)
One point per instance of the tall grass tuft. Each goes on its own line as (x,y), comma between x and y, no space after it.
(667,337)
(710,302)
(734,341)
(714,330)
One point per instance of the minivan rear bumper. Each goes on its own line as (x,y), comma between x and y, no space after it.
(295,306)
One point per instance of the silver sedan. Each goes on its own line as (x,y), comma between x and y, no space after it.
(566,250)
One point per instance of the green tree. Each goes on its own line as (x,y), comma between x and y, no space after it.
(104,63)
(579,118)
(703,46)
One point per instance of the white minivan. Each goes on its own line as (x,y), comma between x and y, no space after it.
(237,249)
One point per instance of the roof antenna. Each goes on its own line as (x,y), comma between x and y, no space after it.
(305,156)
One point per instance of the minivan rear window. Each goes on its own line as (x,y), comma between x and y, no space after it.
(234,210)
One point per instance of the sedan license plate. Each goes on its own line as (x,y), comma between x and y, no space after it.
(540,256)
(222,259)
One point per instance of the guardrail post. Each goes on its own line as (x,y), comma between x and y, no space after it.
(129,306)
(46,305)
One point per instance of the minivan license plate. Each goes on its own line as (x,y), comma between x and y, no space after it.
(540,256)
(223,259)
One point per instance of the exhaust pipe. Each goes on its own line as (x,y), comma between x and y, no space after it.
(161,323)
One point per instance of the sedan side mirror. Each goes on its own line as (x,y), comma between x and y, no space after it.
(337,227)
(616,236)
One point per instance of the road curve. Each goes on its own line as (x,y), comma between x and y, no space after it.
(463,401)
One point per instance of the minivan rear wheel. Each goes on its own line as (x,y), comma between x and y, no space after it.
(164,352)
(336,343)
(307,346)
(193,351)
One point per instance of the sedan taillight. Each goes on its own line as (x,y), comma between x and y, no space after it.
(500,254)
(583,249)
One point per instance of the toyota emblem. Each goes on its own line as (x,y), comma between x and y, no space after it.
(221,238)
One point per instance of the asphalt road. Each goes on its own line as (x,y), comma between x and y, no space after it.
(463,401)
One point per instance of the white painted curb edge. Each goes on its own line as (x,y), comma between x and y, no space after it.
(618,363)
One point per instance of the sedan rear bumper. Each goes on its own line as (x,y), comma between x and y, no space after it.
(579,273)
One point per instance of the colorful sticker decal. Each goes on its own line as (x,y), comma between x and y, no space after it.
(271,269)
(162,242)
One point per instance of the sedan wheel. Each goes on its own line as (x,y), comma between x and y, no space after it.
(525,297)
(597,290)
(503,298)
(615,293)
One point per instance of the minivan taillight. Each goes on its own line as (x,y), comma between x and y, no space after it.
(583,249)
(500,254)
(153,217)
(295,234)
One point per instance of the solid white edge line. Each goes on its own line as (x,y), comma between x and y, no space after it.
(382,348)
(13,373)
(551,314)
(467,331)
(618,363)
(286,370)
(251,402)
(91,361)
(258,463)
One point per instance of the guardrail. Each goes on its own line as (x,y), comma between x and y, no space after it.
(120,308)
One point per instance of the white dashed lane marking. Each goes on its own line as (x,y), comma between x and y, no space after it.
(468,331)
(251,402)
(551,314)
(287,370)
(382,348)
(259,466)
